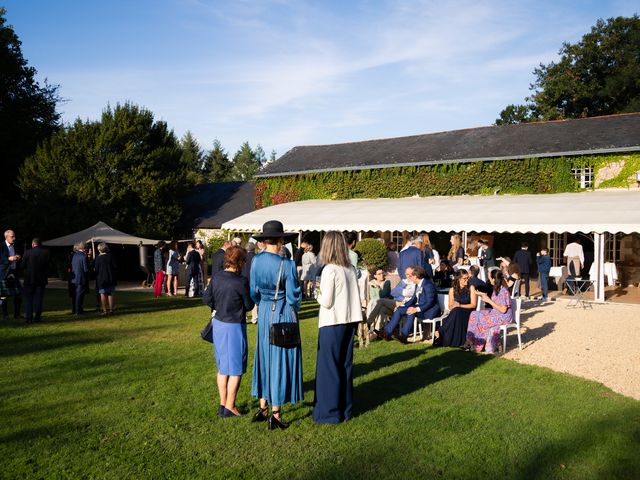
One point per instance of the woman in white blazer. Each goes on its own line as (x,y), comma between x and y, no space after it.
(340,312)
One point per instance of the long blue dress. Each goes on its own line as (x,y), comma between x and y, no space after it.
(280,380)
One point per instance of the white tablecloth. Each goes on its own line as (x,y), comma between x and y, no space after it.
(610,272)
(559,274)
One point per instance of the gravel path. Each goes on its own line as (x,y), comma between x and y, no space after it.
(599,344)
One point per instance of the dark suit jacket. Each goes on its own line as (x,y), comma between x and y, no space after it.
(4,260)
(410,257)
(193,262)
(427,302)
(105,271)
(524,260)
(217,261)
(79,269)
(489,257)
(35,264)
(228,294)
(246,271)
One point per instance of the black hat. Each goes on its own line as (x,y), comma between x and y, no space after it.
(273,229)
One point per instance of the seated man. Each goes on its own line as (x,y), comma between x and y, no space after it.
(480,284)
(423,304)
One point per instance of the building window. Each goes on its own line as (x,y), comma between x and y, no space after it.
(612,248)
(584,175)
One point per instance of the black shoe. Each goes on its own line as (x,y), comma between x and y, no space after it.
(260,416)
(402,339)
(273,423)
(382,334)
(226,413)
(220,409)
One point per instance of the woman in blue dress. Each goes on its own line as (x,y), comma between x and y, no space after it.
(277,371)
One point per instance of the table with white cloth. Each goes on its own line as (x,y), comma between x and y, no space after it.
(610,272)
(474,261)
(559,274)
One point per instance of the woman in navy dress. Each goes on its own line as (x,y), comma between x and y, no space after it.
(277,371)
(462,301)
(105,278)
(228,296)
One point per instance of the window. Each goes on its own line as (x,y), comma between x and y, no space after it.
(612,248)
(584,175)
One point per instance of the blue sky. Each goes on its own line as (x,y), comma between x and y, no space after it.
(282,73)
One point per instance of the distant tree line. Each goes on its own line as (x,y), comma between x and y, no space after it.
(599,75)
(126,168)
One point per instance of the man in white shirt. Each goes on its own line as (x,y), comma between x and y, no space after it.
(574,255)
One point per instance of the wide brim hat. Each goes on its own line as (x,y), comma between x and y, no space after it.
(273,229)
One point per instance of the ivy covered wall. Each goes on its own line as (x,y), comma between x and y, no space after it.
(537,175)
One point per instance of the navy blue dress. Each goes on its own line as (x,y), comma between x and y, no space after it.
(453,332)
(277,371)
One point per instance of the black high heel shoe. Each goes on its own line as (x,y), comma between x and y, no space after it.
(260,416)
(273,423)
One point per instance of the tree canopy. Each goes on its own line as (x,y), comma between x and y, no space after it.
(125,169)
(247,162)
(27,110)
(599,75)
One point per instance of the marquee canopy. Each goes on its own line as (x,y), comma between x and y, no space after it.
(615,210)
(100,232)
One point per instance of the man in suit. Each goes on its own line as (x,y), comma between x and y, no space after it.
(35,264)
(217,258)
(524,260)
(193,267)
(410,256)
(79,277)
(423,304)
(9,272)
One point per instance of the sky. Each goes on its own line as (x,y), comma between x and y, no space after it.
(282,73)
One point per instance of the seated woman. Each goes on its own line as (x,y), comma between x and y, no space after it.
(484,325)
(462,301)
(442,275)
(514,275)
(380,300)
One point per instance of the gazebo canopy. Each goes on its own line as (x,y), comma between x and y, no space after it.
(593,211)
(100,232)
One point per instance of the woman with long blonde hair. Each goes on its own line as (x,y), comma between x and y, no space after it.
(340,313)
(456,252)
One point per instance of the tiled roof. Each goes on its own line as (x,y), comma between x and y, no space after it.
(614,133)
(211,204)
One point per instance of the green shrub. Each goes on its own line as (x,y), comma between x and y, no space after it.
(374,253)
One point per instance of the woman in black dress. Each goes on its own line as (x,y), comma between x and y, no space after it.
(105,278)
(462,301)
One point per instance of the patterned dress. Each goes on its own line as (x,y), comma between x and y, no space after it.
(484,325)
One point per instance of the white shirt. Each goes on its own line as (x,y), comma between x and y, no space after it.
(12,253)
(436,257)
(339,297)
(574,250)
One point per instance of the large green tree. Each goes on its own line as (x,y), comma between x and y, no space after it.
(220,166)
(247,162)
(125,169)
(599,75)
(27,111)
(193,159)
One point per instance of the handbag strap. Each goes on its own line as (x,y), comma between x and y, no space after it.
(275,297)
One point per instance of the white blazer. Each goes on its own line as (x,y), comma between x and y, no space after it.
(339,297)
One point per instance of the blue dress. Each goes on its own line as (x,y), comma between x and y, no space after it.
(277,379)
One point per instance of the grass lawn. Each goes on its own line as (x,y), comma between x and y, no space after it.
(134,396)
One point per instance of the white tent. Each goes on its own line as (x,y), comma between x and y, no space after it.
(100,232)
(597,212)
(594,211)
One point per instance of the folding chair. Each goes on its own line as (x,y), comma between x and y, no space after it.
(444,308)
(516,303)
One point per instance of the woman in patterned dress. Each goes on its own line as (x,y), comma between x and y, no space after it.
(484,325)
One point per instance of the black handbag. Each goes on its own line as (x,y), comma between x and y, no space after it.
(283,334)
(207,332)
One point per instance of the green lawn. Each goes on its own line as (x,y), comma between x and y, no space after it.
(134,396)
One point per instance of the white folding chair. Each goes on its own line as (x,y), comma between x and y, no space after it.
(516,303)
(515,291)
(443,301)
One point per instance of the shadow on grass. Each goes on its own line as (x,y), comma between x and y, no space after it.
(25,344)
(374,393)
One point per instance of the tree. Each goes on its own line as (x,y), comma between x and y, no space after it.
(221,167)
(125,169)
(193,159)
(515,114)
(247,162)
(272,157)
(596,76)
(27,111)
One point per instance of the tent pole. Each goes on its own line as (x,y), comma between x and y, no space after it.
(598,244)
(93,249)
(464,241)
